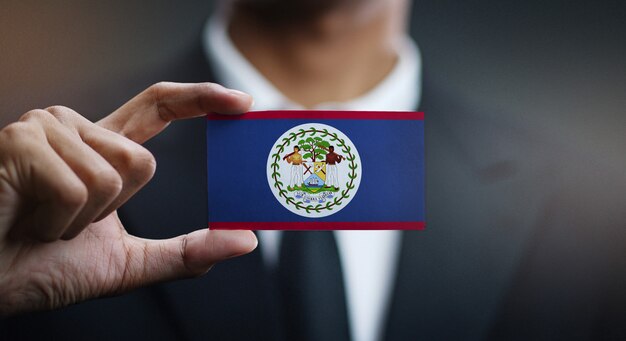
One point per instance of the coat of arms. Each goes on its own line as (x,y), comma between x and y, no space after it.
(314,170)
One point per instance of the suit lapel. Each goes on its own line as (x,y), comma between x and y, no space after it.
(231,302)
(452,276)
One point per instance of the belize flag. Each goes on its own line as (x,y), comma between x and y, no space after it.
(316,170)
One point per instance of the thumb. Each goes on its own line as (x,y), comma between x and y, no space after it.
(206,247)
(190,255)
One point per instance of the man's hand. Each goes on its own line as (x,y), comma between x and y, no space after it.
(62,179)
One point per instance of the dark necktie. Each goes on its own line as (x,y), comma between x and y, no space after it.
(311,287)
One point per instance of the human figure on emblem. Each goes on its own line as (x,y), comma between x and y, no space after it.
(295,159)
(332,159)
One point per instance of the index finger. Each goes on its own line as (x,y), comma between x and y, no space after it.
(152,110)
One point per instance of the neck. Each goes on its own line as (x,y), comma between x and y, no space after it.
(335,57)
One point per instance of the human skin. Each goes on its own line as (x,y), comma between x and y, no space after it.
(319,51)
(62,179)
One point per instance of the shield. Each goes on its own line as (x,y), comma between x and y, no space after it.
(316,181)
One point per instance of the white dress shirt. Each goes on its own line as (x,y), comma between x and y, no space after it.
(368,258)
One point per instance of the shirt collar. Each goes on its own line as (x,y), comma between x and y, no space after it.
(400,90)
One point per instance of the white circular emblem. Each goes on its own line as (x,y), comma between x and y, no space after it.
(314,170)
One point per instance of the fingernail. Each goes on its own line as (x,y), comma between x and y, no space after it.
(243,97)
(237,243)
(238,93)
(205,249)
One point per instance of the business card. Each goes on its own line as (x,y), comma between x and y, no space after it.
(316,170)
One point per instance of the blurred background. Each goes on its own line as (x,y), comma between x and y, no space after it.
(558,64)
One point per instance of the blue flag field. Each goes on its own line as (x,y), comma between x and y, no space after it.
(316,170)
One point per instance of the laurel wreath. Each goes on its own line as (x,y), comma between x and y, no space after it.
(341,143)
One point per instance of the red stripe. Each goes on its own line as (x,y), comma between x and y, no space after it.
(321,114)
(310,225)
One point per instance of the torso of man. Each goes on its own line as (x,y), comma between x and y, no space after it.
(332,158)
(295,159)
(368,258)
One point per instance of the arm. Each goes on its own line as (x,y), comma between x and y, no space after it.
(288,155)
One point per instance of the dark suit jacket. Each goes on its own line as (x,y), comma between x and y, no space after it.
(522,242)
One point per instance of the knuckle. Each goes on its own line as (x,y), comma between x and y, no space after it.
(15,129)
(156,96)
(138,163)
(106,183)
(144,165)
(36,115)
(208,87)
(21,134)
(74,196)
(60,112)
(58,109)
(156,87)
